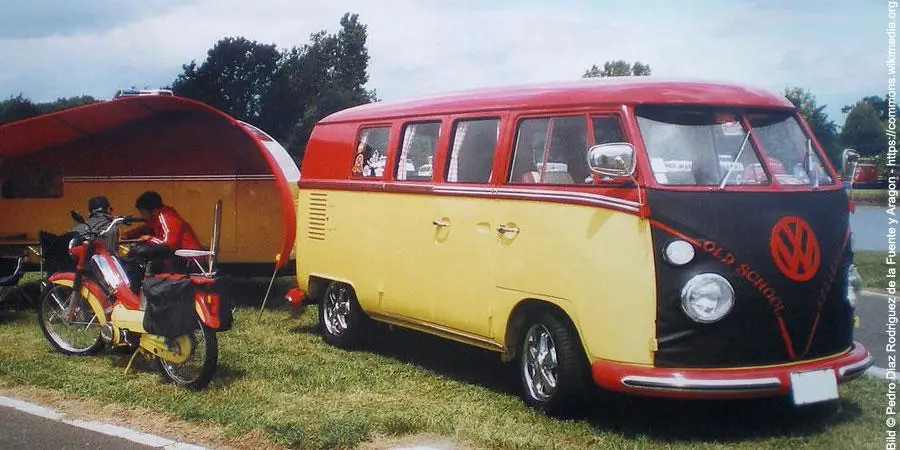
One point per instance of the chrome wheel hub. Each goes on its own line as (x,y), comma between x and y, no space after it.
(337,310)
(539,363)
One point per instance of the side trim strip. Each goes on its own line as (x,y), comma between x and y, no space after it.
(139,178)
(558,196)
(467,338)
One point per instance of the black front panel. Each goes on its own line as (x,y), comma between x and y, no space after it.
(733,236)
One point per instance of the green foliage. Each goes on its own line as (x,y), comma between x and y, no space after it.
(236,74)
(822,127)
(20,108)
(863,130)
(882,106)
(284,92)
(618,68)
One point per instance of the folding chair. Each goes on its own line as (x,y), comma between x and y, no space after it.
(11,271)
(210,255)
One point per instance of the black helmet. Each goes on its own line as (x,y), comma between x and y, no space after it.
(98,204)
(148,201)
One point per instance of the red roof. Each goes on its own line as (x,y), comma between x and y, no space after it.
(584,92)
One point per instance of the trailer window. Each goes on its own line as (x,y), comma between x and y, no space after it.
(33,182)
(371,152)
(417,151)
(472,154)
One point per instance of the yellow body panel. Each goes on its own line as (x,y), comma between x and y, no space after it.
(251,225)
(128,319)
(465,277)
(93,301)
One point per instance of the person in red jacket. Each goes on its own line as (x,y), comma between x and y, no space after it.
(163,232)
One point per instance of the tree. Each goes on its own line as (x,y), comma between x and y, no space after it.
(17,108)
(323,77)
(618,68)
(863,130)
(234,78)
(880,104)
(283,92)
(822,127)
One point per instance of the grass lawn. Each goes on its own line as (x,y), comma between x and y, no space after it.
(877,197)
(872,268)
(277,378)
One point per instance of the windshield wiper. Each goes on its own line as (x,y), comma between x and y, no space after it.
(734,162)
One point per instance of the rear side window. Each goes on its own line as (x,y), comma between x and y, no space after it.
(472,155)
(551,150)
(371,152)
(416,161)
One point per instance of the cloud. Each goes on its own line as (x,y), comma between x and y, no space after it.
(427,46)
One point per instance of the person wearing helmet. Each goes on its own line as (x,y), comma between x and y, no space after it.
(163,232)
(98,219)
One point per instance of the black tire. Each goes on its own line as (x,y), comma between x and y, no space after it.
(341,319)
(198,370)
(80,337)
(552,366)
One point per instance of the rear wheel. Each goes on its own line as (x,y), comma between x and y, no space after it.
(197,371)
(340,316)
(552,366)
(78,335)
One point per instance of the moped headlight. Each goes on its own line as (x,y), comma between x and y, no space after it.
(854,285)
(707,298)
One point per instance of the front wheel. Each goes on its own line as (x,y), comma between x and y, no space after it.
(197,371)
(552,365)
(75,335)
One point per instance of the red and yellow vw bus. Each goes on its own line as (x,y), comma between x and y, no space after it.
(677,239)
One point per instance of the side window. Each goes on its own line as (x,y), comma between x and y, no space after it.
(417,151)
(371,151)
(607,129)
(472,154)
(551,150)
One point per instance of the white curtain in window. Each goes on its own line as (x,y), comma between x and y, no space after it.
(453,171)
(404,152)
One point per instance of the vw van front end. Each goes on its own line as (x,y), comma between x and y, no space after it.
(755,282)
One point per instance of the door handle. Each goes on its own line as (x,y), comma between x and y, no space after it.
(505,229)
(440,223)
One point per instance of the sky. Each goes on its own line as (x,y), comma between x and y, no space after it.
(835,48)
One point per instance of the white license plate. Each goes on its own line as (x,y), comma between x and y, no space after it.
(814,387)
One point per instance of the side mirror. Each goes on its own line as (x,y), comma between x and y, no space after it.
(848,158)
(77,217)
(615,159)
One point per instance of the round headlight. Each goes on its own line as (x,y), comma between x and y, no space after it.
(854,285)
(679,253)
(707,297)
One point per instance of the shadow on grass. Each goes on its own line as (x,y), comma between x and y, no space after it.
(251,292)
(710,421)
(701,421)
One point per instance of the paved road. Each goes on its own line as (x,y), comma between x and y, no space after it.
(872,332)
(21,430)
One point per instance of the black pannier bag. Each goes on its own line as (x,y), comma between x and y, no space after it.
(169,309)
(226,305)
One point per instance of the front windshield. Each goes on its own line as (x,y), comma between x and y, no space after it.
(691,146)
(788,149)
(706,146)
